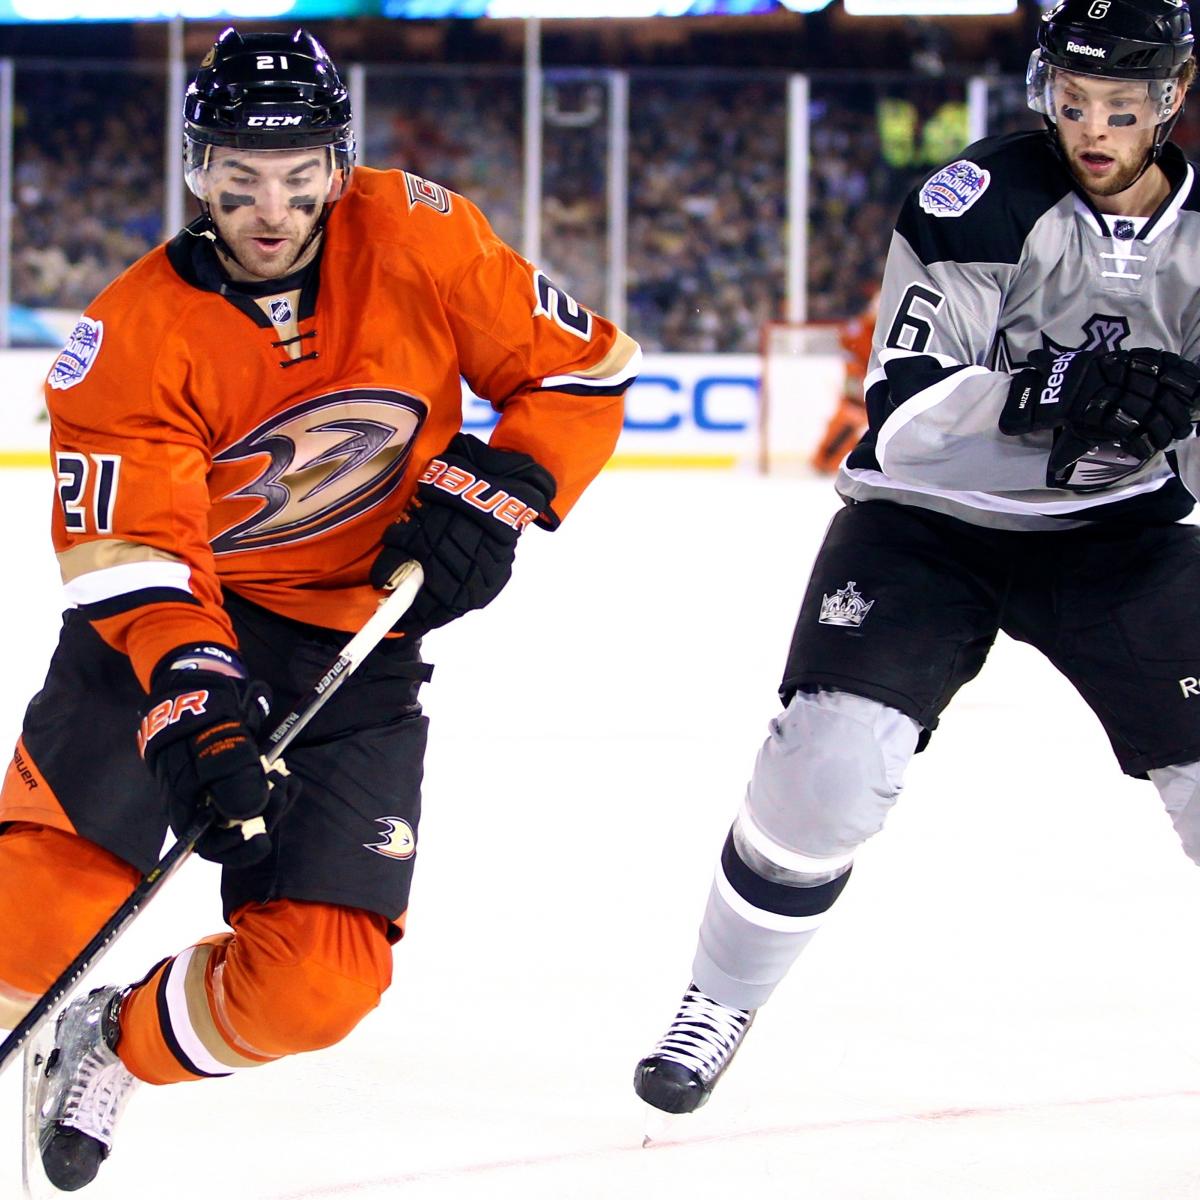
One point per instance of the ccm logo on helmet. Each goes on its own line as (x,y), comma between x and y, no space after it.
(1090,51)
(274,122)
(506,509)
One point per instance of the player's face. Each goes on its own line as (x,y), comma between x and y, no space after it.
(265,203)
(1106,129)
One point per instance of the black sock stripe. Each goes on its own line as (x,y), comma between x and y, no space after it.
(779,898)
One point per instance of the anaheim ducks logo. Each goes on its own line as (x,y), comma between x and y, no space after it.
(399,840)
(328,460)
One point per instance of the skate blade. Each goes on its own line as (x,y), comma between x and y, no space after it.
(34,1184)
(657,1125)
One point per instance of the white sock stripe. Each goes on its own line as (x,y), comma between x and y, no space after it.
(781,856)
(106,583)
(776,922)
(181,1019)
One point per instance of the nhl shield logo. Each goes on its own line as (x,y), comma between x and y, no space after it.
(954,189)
(281,310)
(77,356)
(845,607)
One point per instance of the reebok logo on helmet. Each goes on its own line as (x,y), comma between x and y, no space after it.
(1090,51)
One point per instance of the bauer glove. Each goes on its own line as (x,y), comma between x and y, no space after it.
(199,735)
(472,503)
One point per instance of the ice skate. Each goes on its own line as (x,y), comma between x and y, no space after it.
(80,1087)
(679,1074)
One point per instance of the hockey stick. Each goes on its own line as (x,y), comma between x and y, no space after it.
(403,587)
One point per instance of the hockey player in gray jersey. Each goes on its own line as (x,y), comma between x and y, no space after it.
(1033,397)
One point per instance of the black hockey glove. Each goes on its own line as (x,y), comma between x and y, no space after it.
(199,736)
(471,505)
(1113,410)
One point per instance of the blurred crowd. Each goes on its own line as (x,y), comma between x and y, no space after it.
(706,201)
(707,212)
(462,131)
(88,172)
(707,189)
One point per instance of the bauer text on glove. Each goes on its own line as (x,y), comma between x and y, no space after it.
(471,504)
(199,735)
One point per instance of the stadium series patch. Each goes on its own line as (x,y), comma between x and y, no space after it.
(77,356)
(954,189)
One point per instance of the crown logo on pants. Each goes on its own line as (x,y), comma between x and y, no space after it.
(845,607)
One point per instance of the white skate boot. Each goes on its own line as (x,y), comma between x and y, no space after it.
(679,1074)
(80,1087)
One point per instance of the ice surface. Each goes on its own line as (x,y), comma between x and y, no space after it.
(1003,1003)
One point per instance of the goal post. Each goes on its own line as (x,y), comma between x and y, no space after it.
(803,377)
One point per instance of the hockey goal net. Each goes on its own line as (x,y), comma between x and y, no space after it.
(803,374)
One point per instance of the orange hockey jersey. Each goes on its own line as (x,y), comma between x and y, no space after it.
(203,438)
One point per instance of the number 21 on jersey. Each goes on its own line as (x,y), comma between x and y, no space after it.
(84,512)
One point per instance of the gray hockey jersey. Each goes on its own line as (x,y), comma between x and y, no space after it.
(994,256)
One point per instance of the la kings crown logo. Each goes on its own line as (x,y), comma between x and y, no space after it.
(845,607)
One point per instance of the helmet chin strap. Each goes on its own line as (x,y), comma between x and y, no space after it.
(1160,140)
(208,228)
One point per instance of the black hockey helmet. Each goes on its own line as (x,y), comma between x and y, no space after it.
(1118,39)
(1139,40)
(267,92)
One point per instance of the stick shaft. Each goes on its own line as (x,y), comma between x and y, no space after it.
(404,586)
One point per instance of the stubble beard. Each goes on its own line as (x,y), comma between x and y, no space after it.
(1125,177)
(246,256)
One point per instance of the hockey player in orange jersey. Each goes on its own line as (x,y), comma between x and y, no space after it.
(849,420)
(251,429)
